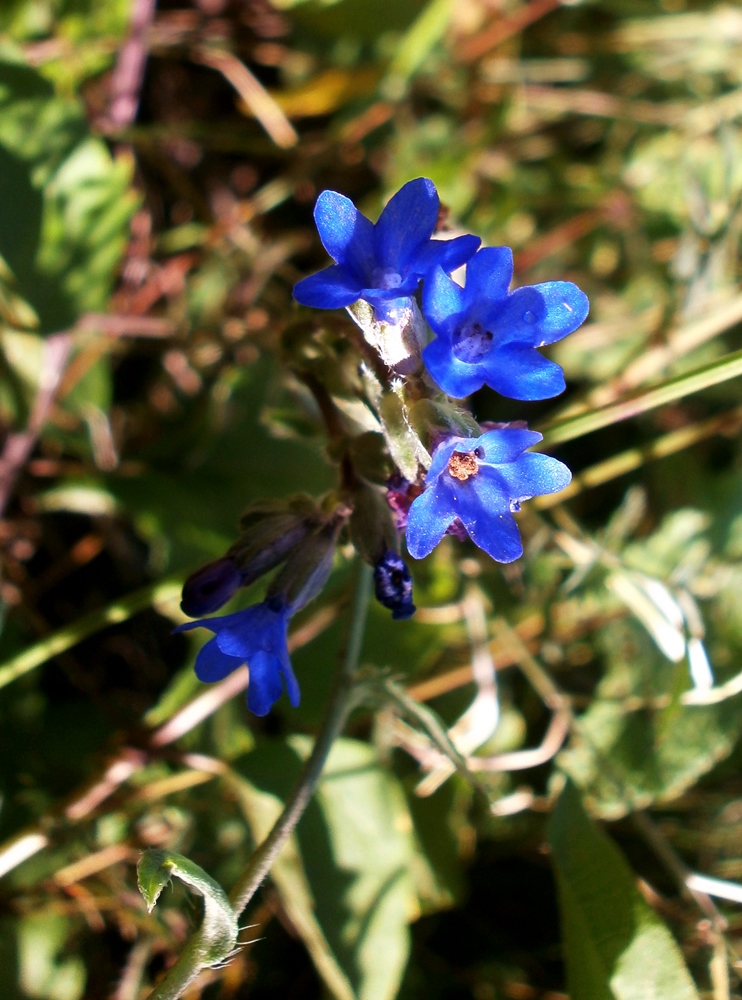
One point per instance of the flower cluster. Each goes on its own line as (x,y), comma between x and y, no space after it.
(435,341)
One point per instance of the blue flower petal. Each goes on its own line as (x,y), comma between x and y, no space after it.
(446,254)
(214,665)
(567,307)
(535,475)
(265,686)
(407,221)
(506,443)
(498,536)
(444,303)
(452,376)
(331,288)
(292,685)
(258,627)
(522,373)
(489,273)
(430,514)
(516,318)
(346,234)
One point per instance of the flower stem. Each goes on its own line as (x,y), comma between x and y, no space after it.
(340,705)
(191,960)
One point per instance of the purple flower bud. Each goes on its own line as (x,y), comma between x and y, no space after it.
(210,587)
(393,585)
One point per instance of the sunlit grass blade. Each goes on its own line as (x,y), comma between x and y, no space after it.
(165,592)
(634,458)
(637,403)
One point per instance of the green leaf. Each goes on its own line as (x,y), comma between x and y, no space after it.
(629,753)
(345,877)
(65,204)
(616,947)
(217,936)
(47,969)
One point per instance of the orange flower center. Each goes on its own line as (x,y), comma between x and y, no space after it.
(462,465)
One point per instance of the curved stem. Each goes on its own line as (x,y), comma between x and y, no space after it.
(191,960)
(340,705)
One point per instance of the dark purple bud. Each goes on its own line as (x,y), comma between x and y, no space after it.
(457,529)
(399,495)
(210,587)
(393,585)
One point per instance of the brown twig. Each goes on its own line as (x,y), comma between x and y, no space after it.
(128,74)
(18,446)
(504,28)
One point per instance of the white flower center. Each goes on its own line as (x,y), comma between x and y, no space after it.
(385,277)
(472,343)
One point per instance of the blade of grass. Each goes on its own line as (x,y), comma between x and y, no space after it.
(569,428)
(166,591)
(635,458)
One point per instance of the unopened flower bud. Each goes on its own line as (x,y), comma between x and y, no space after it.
(307,569)
(210,587)
(393,585)
(267,543)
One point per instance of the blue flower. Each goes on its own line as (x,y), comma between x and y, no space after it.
(256,636)
(488,335)
(383,261)
(481,481)
(393,585)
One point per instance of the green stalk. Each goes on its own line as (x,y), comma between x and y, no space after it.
(569,428)
(341,703)
(195,956)
(163,592)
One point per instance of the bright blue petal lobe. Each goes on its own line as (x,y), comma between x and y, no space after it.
(567,307)
(258,627)
(214,665)
(535,475)
(265,686)
(506,444)
(346,234)
(292,685)
(407,221)
(444,303)
(446,254)
(489,273)
(498,536)
(454,377)
(514,319)
(522,373)
(430,514)
(332,288)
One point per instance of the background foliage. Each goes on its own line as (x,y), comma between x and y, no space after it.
(146,326)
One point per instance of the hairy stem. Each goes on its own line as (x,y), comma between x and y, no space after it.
(340,705)
(193,957)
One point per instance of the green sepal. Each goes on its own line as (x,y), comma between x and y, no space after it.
(370,457)
(427,415)
(404,444)
(372,529)
(298,505)
(306,570)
